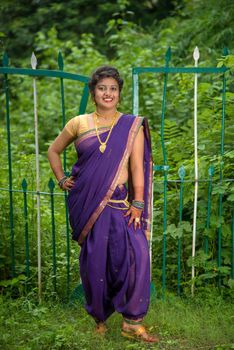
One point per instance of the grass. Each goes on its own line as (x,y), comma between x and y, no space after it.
(204,322)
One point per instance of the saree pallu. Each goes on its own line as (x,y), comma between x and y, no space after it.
(114,258)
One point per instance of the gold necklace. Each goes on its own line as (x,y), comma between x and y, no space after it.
(102,146)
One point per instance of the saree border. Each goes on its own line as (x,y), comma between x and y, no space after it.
(149,203)
(150,187)
(90,133)
(131,137)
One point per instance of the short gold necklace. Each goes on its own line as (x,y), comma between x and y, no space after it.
(102,146)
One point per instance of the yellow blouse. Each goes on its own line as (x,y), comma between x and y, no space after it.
(79,125)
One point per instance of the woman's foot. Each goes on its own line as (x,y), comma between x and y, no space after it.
(138,332)
(100,328)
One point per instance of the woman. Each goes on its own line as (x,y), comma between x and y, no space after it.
(113,148)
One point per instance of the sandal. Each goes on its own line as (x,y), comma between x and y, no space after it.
(101,328)
(138,333)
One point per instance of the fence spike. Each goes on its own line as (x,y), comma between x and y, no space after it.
(60,60)
(24,185)
(225,51)
(33,61)
(211,170)
(5,60)
(168,55)
(181,172)
(196,54)
(51,184)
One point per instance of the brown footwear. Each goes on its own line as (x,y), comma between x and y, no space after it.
(139,333)
(101,328)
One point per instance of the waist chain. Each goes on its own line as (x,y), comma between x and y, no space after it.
(119,201)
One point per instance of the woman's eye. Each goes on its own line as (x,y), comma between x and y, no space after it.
(105,88)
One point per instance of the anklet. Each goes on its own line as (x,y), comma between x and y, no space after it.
(132,322)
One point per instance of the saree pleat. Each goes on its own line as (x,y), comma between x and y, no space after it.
(114,265)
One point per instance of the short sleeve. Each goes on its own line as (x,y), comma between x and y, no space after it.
(72,126)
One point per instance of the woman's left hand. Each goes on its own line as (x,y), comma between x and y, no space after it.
(135,215)
(68,184)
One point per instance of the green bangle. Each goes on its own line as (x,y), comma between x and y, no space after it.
(138,204)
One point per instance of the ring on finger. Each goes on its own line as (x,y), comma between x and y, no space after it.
(137,220)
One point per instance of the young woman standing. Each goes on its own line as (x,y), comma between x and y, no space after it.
(110,205)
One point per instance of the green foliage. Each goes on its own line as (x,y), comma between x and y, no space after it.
(177,232)
(20,21)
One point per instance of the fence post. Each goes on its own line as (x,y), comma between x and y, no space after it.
(211,174)
(51,187)
(34,66)
(196,58)
(135,88)
(27,259)
(7,101)
(220,210)
(181,173)
(167,60)
(61,65)
(84,99)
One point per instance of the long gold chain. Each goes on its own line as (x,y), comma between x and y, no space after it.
(102,146)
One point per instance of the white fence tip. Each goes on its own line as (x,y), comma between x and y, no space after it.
(196,54)
(33,61)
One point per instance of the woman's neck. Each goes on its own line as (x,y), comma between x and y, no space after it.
(106,113)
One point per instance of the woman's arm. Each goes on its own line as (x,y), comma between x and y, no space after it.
(56,148)
(137,174)
(136,166)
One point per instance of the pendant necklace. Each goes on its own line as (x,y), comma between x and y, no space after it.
(102,146)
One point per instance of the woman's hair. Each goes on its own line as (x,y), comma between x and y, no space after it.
(104,72)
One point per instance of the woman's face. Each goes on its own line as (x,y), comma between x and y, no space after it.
(106,93)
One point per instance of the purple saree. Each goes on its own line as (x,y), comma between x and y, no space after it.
(114,258)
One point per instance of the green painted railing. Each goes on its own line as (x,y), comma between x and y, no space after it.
(137,72)
(181,173)
(6,72)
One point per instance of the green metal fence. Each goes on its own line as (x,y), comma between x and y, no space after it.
(28,269)
(137,73)
(34,73)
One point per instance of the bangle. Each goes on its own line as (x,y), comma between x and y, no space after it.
(138,204)
(62,181)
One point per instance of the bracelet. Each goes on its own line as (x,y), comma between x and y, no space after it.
(138,204)
(62,181)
